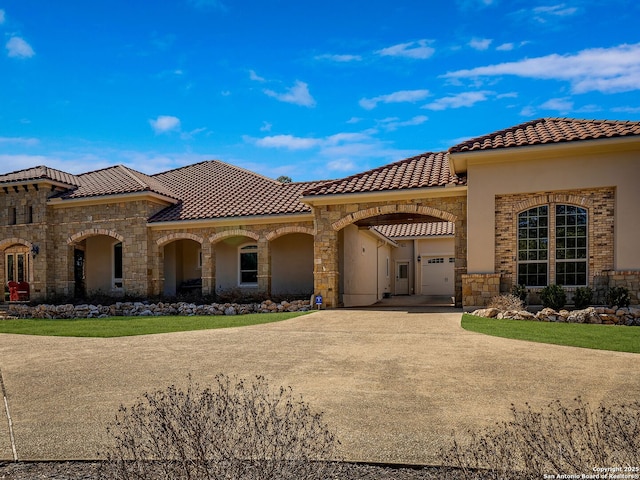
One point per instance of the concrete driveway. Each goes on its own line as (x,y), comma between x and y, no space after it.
(394,384)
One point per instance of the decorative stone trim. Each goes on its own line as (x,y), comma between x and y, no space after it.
(179,236)
(389,209)
(289,229)
(538,200)
(78,237)
(12,241)
(238,232)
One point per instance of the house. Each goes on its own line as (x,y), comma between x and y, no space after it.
(549,201)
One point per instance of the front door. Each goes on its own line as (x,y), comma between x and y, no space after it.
(402,278)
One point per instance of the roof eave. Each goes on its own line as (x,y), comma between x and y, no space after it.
(449,190)
(111,198)
(458,161)
(229,221)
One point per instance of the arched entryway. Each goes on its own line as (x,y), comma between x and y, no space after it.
(182,267)
(17,269)
(98,263)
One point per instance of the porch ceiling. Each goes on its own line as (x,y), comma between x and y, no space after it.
(396,218)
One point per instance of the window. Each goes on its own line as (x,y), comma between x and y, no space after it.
(571,245)
(117,265)
(249,265)
(13,219)
(570,257)
(16,266)
(435,260)
(29,214)
(533,245)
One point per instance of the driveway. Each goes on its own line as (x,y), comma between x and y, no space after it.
(394,384)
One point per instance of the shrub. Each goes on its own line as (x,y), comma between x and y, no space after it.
(583,297)
(236,429)
(617,296)
(506,302)
(520,291)
(565,439)
(553,296)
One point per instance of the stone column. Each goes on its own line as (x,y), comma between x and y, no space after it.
(156,267)
(325,267)
(208,268)
(264,266)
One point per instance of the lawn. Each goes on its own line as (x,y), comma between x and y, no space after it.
(129,326)
(601,337)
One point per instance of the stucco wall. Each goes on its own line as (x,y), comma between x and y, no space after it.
(565,171)
(292,264)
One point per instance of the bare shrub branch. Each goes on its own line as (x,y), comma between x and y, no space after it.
(507,302)
(570,439)
(233,430)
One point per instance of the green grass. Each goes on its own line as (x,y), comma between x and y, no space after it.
(129,326)
(600,337)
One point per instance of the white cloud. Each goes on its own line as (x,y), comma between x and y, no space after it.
(561,105)
(400,96)
(344,58)
(419,49)
(480,43)
(2,17)
(341,165)
(165,124)
(505,47)
(393,123)
(26,141)
(606,70)
(560,10)
(17,47)
(266,127)
(288,142)
(465,99)
(298,95)
(255,77)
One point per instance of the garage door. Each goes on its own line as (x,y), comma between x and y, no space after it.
(438,276)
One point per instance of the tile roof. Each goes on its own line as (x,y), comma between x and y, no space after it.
(40,173)
(549,130)
(430,229)
(115,180)
(215,189)
(426,170)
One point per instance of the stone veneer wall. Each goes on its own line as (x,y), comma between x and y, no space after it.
(330,219)
(479,288)
(630,279)
(24,233)
(123,221)
(600,205)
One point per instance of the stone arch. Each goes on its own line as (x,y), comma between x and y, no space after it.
(390,209)
(91,232)
(13,241)
(289,229)
(179,236)
(564,198)
(238,232)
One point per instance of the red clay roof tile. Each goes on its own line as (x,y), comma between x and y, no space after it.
(40,173)
(430,229)
(426,170)
(549,130)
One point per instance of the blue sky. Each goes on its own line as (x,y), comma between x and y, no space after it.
(309,89)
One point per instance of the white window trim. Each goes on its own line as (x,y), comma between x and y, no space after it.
(240,248)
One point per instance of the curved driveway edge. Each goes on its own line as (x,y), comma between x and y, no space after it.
(394,384)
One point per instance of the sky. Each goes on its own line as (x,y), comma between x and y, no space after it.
(313,90)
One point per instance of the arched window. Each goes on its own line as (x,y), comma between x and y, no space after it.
(248,263)
(569,227)
(571,245)
(533,246)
